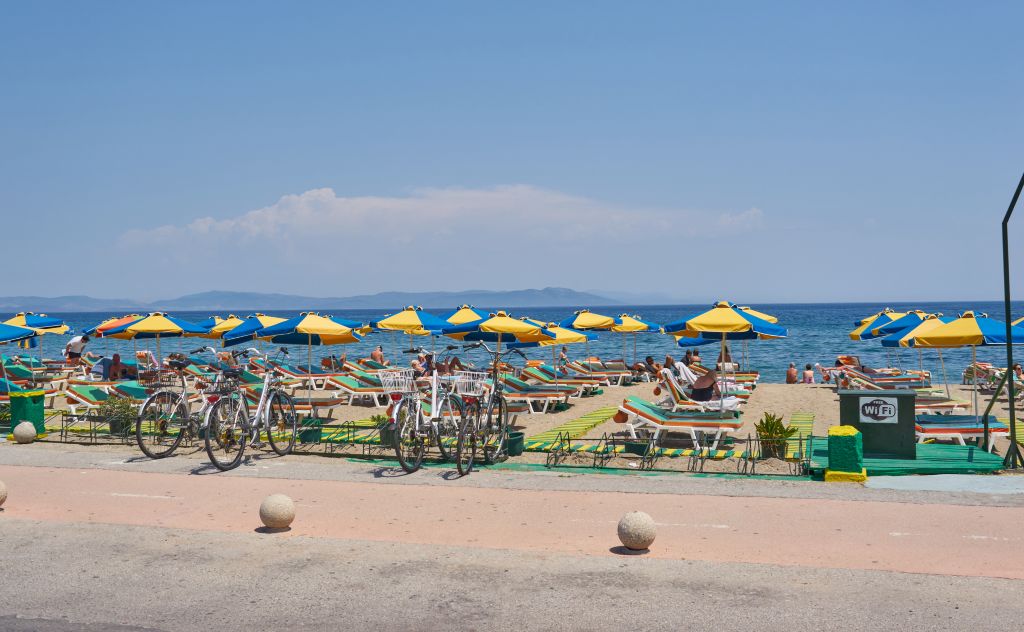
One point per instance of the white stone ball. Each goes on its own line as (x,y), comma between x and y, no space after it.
(277,511)
(25,432)
(637,531)
(3,493)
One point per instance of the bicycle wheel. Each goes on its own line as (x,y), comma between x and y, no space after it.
(282,422)
(465,448)
(161,425)
(410,443)
(226,434)
(495,430)
(447,429)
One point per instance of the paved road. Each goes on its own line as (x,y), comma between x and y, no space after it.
(95,540)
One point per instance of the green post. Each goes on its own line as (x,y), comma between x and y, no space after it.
(845,455)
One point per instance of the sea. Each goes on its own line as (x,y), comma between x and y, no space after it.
(818,332)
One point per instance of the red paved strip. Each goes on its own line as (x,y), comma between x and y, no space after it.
(938,539)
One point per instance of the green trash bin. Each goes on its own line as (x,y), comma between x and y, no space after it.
(28,406)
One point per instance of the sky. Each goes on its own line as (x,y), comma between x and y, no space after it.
(760,152)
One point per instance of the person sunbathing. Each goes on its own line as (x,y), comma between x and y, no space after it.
(648,366)
(705,388)
(695,358)
(791,374)
(119,370)
(377,355)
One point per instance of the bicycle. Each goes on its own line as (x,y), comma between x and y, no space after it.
(231,429)
(166,416)
(415,428)
(489,431)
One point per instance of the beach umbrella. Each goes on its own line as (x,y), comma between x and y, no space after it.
(725,321)
(110,323)
(11,333)
(216,326)
(499,327)
(864,328)
(880,328)
(761,315)
(359,327)
(40,323)
(635,325)
(906,337)
(970,330)
(586,320)
(413,321)
(156,325)
(246,331)
(464,314)
(561,336)
(309,328)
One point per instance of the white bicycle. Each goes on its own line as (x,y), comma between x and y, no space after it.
(166,417)
(232,429)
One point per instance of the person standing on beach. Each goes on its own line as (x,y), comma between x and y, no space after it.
(74,349)
(791,377)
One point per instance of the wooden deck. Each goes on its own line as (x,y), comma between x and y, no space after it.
(932,458)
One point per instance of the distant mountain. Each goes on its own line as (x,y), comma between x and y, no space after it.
(67,304)
(222,301)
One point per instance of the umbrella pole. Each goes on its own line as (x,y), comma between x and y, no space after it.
(974,375)
(554,364)
(309,354)
(945,381)
(721,388)
(634,347)
(920,361)
(159,357)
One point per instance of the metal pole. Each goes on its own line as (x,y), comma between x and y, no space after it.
(1013,458)
(945,380)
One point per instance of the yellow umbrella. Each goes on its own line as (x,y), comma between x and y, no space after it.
(866,326)
(633,324)
(223,326)
(156,325)
(464,314)
(761,315)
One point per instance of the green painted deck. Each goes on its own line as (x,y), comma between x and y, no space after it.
(932,458)
(576,428)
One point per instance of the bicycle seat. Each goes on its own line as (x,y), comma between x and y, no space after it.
(177,365)
(232,372)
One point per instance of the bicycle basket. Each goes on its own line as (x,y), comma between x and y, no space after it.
(398,382)
(470,383)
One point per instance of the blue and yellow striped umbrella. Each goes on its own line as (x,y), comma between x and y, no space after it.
(41,323)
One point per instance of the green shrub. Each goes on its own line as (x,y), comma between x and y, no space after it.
(120,413)
(773,435)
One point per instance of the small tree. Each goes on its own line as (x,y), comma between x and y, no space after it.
(773,436)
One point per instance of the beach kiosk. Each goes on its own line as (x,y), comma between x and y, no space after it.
(885,419)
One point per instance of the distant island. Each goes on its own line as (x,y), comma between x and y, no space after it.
(220,301)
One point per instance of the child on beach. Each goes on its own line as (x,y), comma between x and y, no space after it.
(808,375)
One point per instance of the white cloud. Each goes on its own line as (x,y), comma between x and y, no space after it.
(438,238)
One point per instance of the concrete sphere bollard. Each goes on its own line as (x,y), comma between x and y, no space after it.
(277,511)
(25,432)
(637,531)
(3,493)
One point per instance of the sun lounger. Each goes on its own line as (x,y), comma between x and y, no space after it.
(583,385)
(957,427)
(617,378)
(518,391)
(677,399)
(357,389)
(644,415)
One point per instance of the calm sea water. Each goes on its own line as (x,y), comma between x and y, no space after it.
(817,333)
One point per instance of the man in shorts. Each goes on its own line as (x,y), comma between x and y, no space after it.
(74,350)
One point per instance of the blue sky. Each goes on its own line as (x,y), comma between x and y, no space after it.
(758,151)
